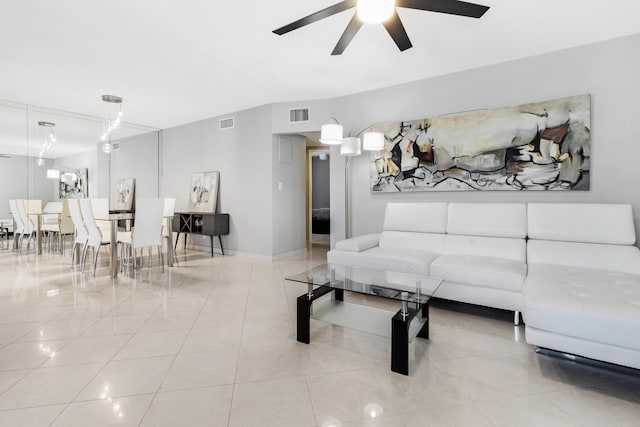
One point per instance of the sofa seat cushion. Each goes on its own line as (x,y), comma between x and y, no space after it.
(489,272)
(402,260)
(595,305)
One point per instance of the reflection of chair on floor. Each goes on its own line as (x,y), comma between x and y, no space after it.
(147,232)
(81,233)
(96,239)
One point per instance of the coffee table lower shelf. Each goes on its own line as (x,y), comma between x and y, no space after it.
(401,328)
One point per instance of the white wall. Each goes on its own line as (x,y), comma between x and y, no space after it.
(13,175)
(289,193)
(243,155)
(608,71)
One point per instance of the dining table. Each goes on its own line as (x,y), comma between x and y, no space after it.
(113,219)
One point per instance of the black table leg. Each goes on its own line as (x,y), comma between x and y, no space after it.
(211,239)
(177,238)
(304,314)
(424,331)
(221,248)
(400,344)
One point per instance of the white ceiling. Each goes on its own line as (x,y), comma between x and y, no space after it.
(176,62)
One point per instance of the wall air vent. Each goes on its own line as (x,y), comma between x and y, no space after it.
(298,115)
(228,123)
(115,145)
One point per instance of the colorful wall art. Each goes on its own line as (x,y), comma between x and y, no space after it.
(539,146)
(204,192)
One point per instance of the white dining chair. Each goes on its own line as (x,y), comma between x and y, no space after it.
(19,228)
(61,226)
(95,239)
(147,232)
(81,233)
(27,225)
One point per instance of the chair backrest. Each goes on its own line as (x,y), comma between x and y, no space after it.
(16,216)
(66,223)
(100,208)
(82,235)
(169,210)
(27,224)
(95,235)
(148,225)
(53,207)
(33,206)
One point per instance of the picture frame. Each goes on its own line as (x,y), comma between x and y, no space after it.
(124,195)
(203,192)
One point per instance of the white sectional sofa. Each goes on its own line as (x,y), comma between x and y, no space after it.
(479,249)
(572,268)
(582,292)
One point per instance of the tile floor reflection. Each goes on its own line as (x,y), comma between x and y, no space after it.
(211,342)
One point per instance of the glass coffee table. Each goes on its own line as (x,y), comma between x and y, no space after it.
(413,293)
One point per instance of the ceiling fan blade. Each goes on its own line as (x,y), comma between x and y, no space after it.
(348,35)
(453,7)
(397,32)
(321,14)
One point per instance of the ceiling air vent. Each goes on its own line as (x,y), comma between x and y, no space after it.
(227,123)
(297,115)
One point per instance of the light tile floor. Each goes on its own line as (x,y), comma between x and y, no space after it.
(211,342)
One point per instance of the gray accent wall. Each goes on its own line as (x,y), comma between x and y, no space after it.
(243,155)
(608,71)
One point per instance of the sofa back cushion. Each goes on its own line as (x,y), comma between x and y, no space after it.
(488,219)
(623,258)
(493,247)
(582,222)
(416,217)
(428,242)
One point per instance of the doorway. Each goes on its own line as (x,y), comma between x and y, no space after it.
(318,196)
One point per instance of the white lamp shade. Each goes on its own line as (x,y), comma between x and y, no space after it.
(373,141)
(331,134)
(350,147)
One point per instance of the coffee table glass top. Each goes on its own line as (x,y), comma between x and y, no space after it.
(387,284)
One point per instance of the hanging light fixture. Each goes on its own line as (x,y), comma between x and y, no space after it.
(375,11)
(48,143)
(111,124)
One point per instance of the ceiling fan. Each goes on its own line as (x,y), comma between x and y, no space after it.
(367,11)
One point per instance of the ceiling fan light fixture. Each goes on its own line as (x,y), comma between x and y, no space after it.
(375,11)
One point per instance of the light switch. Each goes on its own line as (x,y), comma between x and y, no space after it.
(280,186)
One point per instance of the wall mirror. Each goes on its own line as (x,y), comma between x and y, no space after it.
(43,150)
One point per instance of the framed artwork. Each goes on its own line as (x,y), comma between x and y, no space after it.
(203,194)
(125,193)
(538,146)
(73,184)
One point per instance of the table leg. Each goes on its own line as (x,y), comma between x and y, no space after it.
(400,339)
(221,248)
(424,331)
(39,235)
(211,238)
(304,321)
(114,248)
(170,248)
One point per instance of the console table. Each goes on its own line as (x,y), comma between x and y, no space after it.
(207,224)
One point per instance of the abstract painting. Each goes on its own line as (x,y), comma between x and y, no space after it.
(203,194)
(74,184)
(125,192)
(539,146)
